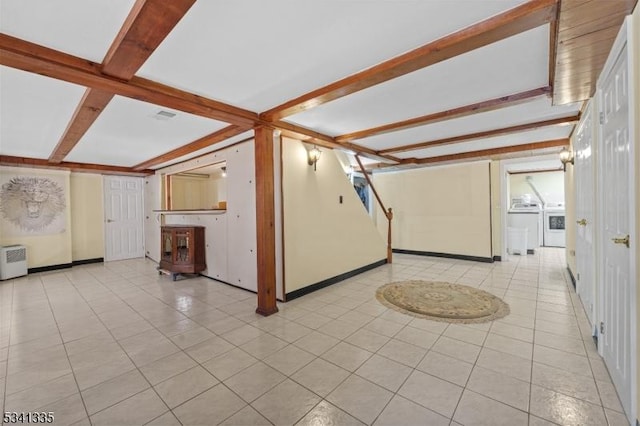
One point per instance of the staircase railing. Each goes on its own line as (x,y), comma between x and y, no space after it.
(387,212)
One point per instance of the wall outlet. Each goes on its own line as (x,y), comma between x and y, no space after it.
(572,252)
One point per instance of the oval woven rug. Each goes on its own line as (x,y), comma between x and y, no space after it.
(441,301)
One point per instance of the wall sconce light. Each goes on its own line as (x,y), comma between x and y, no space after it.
(566,156)
(313,156)
(224,172)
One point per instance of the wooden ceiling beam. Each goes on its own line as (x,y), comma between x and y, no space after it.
(212,139)
(91,105)
(564,121)
(148,23)
(489,152)
(515,21)
(40,163)
(27,56)
(463,111)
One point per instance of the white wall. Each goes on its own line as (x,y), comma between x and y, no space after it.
(322,237)
(439,209)
(549,184)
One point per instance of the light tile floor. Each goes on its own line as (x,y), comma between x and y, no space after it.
(118,344)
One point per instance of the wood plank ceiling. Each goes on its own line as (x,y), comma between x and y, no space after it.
(580,34)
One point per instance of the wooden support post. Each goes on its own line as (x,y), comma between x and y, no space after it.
(265,220)
(389,249)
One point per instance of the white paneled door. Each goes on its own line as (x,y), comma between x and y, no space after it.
(616,198)
(123,215)
(584,172)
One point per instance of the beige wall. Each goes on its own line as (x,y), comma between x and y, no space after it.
(87,214)
(322,238)
(42,250)
(441,209)
(496,208)
(635,48)
(549,184)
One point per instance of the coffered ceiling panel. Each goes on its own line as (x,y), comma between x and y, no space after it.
(530,112)
(513,65)
(129,132)
(258,54)
(539,135)
(79,27)
(34,111)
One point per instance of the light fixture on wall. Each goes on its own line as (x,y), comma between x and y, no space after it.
(566,156)
(313,155)
(224,172)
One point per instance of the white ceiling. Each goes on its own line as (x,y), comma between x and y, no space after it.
(126,133)
(538,135)
(79,27)
(259,54)
(34,112)
(510,66)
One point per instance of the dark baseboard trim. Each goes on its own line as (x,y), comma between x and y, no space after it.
(49,268)
(446,255)
(497,258)
(573,279)
(65,265)
(325,283)
(88,261)
(530,251)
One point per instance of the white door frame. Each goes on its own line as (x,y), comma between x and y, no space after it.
(624,37)
(104,227)
(504,193)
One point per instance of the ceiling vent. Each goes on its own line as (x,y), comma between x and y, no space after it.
(164,115)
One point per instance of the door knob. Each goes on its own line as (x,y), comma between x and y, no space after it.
(582,222)
(624,241)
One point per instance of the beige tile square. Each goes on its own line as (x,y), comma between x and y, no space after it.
(508,345)
(347,356)
(367,340)
(402,352)
(192,337)
(563,409)
(37,374)
(513,331)
(210,407)
(563,360)
(500,387)
(263,346)
(286,403)
(246,417)
(465,334)
(327,414)
(229,363)
(242,334)
(431,392)
(385,327)
(417,337)
(178,389)
(565,382)
(290,331)
(401,411)
(112,391)
(316,343)
(167,419)
(338,328)
(457,349)
(66,411)
(313,320)
(320,376)
(504,363)
(90,375)
(139,409)
(360,398)
(446,368)
(208,349)
(475,409)
(254,381)
(39,396)
(609,396)
(384,372)
(615,418)
(289,360)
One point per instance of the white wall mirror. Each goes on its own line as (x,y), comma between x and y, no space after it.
(202,188)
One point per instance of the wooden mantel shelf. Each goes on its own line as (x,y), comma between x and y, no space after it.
(202,211)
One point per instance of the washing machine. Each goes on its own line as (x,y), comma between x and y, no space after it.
(554,227)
